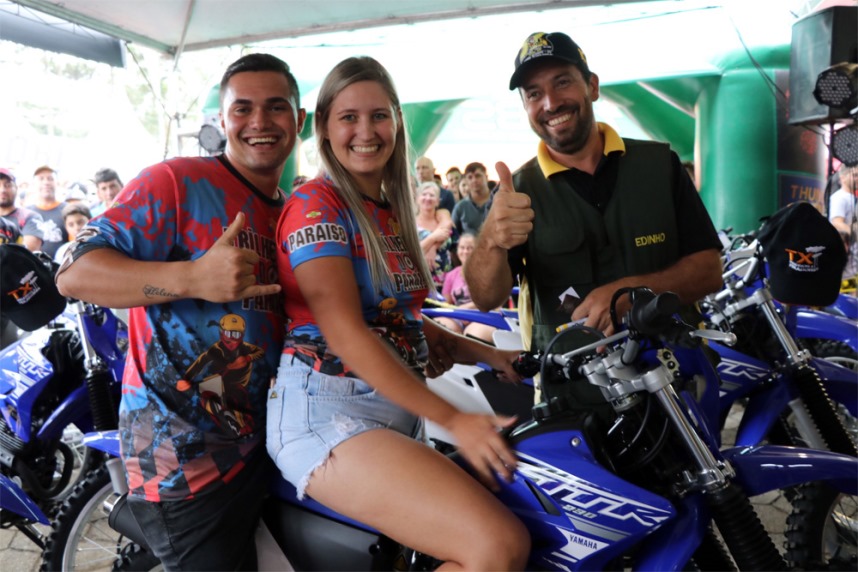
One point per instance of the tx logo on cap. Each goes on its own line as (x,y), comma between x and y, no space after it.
(807,261)
(27,290)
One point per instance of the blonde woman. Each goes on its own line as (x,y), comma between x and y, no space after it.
(435,230)
(349,397)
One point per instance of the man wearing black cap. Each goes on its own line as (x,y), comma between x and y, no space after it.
(592,212)
(28,222)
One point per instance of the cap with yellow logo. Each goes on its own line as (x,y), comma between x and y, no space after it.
(552,45)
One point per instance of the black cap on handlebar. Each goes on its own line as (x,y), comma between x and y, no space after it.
(28,295)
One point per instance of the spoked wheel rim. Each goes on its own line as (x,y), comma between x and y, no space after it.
(92,544)
(840,532)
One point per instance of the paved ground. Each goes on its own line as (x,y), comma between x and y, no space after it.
(19,554)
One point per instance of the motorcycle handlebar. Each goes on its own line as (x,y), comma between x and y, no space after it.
(652,314)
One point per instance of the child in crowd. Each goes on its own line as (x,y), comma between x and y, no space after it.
(455,291)
(75,216)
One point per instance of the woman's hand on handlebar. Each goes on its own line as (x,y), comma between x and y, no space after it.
(503,362)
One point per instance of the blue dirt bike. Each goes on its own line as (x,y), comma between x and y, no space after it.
(830,332)
(793,396)
(644,489)
(65,374)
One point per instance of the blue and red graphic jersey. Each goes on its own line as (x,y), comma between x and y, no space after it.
(193,393)
(317,223)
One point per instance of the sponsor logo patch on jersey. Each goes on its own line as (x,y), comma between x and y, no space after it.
(317,233)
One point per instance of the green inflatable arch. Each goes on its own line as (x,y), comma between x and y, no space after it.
(734,125)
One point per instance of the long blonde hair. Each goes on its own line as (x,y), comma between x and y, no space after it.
(395,182)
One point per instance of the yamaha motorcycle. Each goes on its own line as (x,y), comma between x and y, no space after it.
(793,397)
(62,379)
(646,489)
(830,332)
(765,365)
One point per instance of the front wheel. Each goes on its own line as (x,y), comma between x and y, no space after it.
(80,538)
(834,351)
(822,531)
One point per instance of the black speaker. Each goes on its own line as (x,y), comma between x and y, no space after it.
(819,41)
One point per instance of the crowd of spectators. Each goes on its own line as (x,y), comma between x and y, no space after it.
(48,211)
(45,211)
(449,210)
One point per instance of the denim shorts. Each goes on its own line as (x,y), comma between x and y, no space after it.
(310,413)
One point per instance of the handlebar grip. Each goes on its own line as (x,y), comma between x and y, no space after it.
(650,314)
(527,364)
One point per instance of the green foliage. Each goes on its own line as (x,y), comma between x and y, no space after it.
(67,66)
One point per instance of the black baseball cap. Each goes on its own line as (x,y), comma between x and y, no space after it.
(552,45)
(28,295)
(806,256)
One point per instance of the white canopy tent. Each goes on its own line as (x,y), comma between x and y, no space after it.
(176,26)
(437,49)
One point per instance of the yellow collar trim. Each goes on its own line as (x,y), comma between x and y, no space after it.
(613,142)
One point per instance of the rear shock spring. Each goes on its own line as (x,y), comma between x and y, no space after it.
(104,410)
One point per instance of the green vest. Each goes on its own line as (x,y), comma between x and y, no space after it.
(573,244)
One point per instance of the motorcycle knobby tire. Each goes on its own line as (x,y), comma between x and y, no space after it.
(821,532)
(84,503)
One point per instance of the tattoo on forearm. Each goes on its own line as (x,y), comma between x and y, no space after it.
(155,292)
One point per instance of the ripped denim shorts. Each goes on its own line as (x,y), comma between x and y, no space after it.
(310,413)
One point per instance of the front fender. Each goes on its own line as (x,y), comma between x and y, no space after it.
(772,467)
(105,441)
(821,325)
(74,409)
(846,305)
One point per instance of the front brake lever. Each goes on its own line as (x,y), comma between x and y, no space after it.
(727,338)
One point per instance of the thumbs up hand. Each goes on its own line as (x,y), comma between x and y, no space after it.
(510,219)
(227,273)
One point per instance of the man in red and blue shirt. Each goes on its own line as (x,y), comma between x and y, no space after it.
(189,246)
